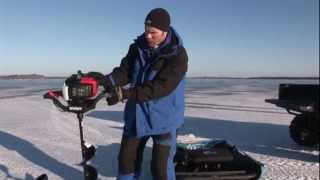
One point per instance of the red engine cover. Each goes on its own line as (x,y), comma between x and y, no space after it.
(92,82)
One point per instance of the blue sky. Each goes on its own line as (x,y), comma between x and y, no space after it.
(223,37)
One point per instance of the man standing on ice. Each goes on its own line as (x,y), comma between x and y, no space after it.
(155,67)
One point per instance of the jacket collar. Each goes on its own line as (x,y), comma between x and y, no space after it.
(168,47)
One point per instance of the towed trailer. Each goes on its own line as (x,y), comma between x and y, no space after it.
(302,101)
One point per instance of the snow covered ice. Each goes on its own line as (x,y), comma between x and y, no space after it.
(36,138)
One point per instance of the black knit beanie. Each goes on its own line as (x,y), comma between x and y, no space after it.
(158,18)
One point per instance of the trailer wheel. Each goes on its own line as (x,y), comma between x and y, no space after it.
(301,133)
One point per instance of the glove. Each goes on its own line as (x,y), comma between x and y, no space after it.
(118,94)
(102,80)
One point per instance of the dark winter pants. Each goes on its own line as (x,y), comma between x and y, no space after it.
(131,157)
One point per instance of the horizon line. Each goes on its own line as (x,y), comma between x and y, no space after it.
(41,76)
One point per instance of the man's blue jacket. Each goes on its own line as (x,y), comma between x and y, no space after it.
(157,80)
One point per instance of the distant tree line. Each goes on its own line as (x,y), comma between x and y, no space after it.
(30,76)
(40,76)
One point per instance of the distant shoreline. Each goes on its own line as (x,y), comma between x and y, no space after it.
(262,78)
(39,76)
(29,76)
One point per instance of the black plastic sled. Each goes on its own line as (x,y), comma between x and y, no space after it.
(214,160)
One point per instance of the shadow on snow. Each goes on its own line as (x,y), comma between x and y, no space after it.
(260,138)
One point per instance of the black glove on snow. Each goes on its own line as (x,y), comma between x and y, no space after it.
(102,80)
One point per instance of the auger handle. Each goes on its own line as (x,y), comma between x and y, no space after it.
(90,104)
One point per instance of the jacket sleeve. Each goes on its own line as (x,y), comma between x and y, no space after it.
(121,75)
(167,79)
